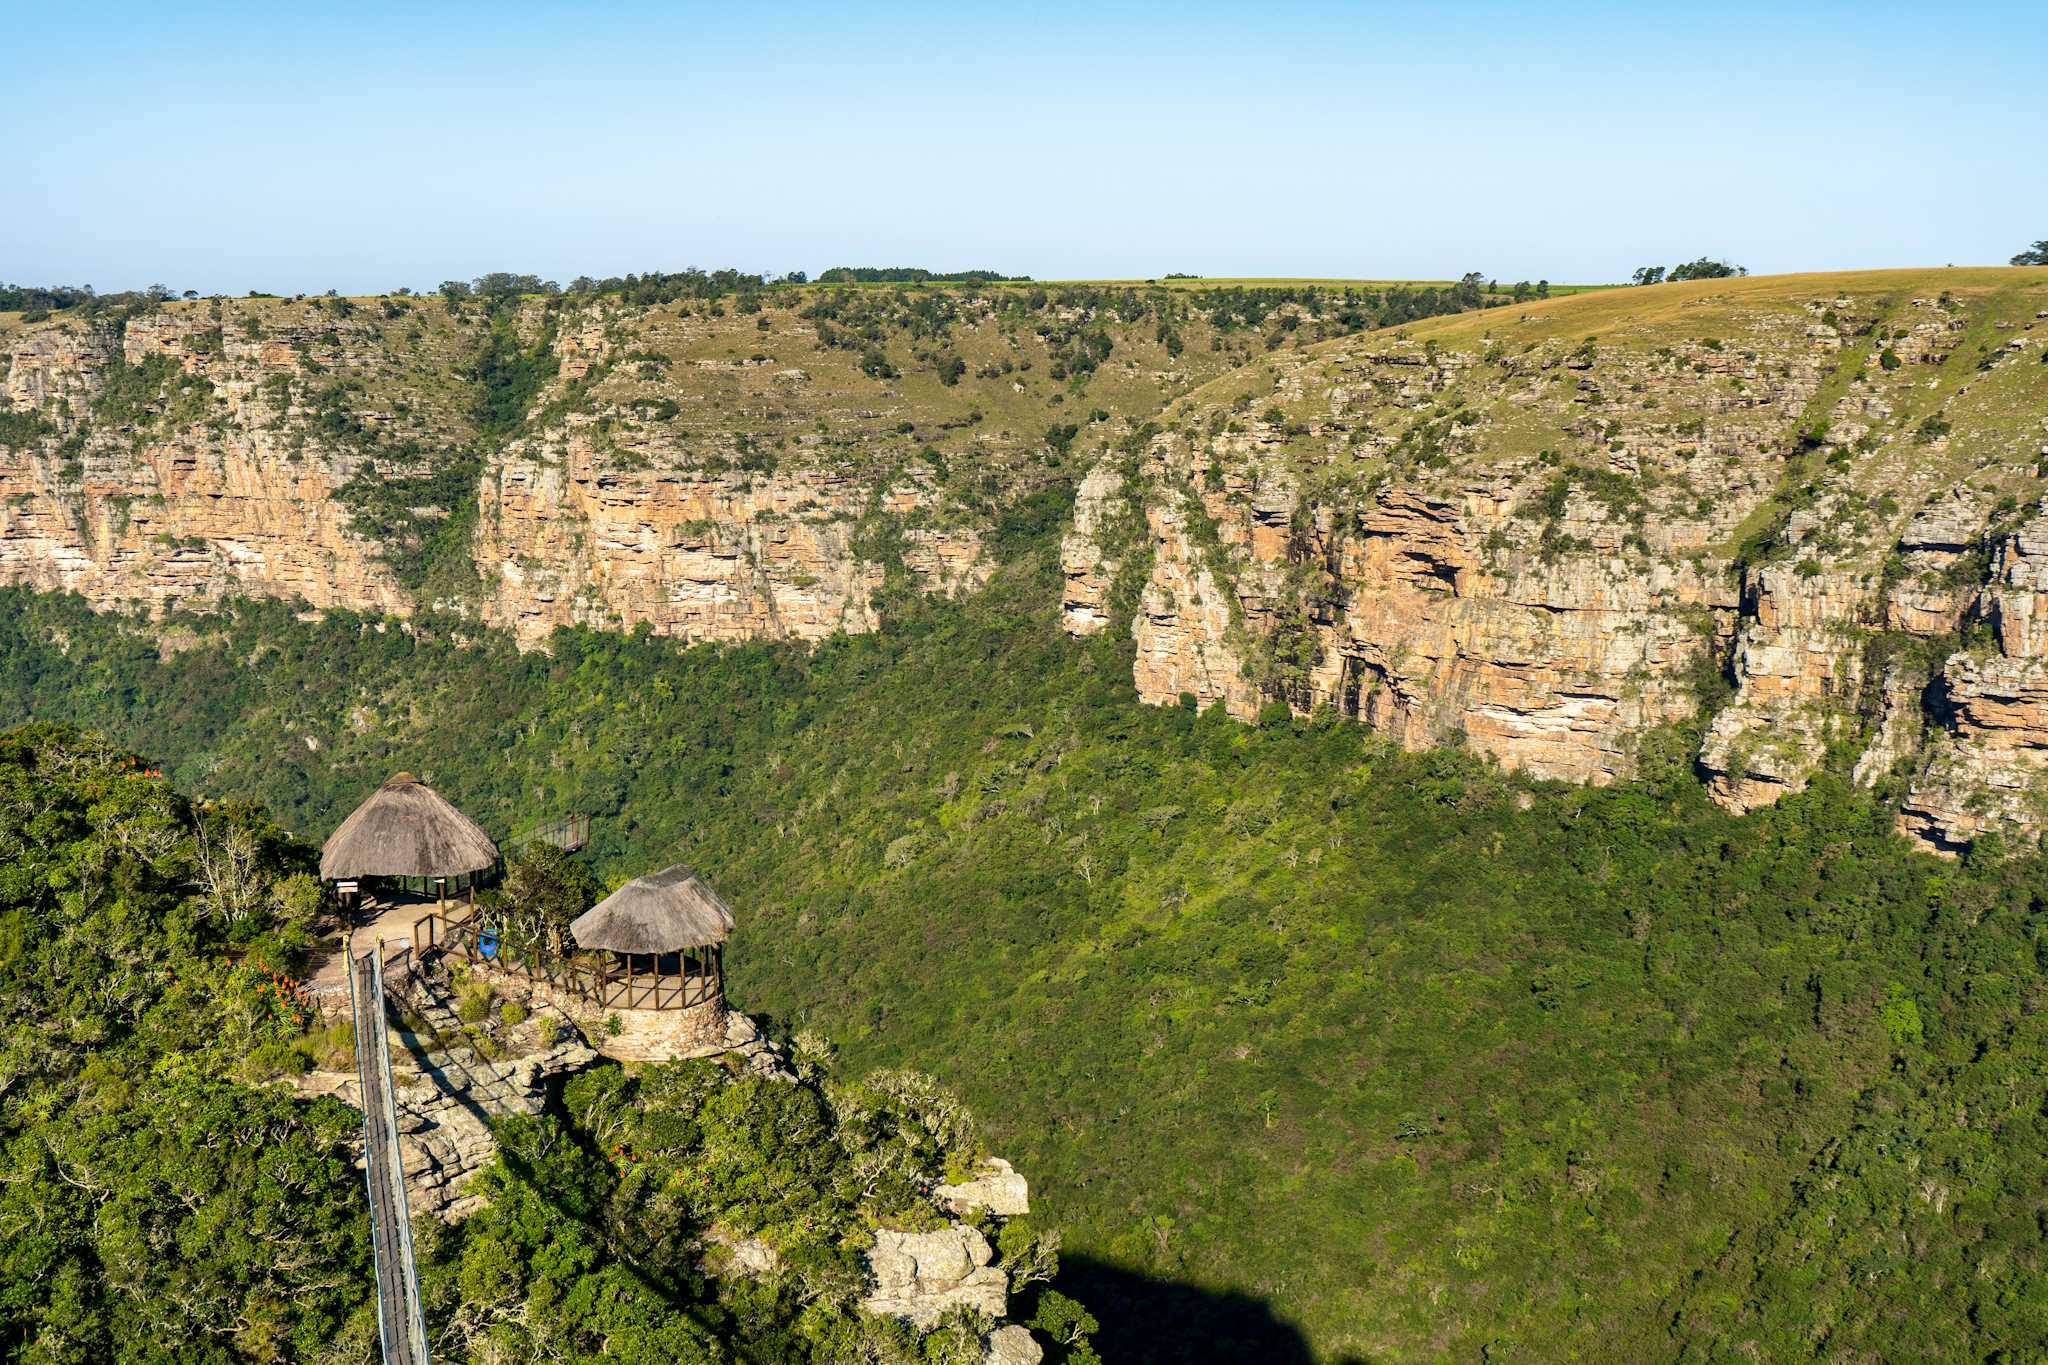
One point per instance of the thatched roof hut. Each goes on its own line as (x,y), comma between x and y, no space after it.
(406,829)
(665,912)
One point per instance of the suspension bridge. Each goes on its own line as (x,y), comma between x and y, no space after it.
(401,1319)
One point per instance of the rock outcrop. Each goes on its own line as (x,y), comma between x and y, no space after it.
(742,1255)
(1546,531)
(568,539)
(995,1188)
(190,455)
(1798,669)
(1086,555)
(166,475)
(1011,1345)
(447,1098)
(675,470)
(922,1276)
(1988,764)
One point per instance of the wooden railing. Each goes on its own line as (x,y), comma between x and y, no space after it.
(455,933)
(401,965)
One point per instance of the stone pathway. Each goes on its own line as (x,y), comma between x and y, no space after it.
(448,1096)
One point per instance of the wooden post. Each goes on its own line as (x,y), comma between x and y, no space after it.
(629,981)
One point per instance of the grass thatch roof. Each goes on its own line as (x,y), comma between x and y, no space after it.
(663,912)
(406,829)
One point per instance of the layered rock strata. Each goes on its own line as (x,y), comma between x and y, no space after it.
(140,509)
(568,540)
(1549,531)
(1988,763)
(308,450)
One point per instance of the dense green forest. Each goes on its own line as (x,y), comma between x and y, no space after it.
(1312,1048)
(162,1202)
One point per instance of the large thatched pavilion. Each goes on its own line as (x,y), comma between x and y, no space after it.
(408,838)
(665,933)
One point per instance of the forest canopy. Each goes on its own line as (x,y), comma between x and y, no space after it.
(1292,1030)
(165,1197)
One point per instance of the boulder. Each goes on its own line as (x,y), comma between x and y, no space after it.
(747,1256)
(1011,1345)
(921,1276)
(996,1187)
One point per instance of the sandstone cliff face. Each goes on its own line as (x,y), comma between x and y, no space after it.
(153,507)
(1543,531)
(693,554)
(1798,671)
(712,472)
(1089,563)
(1546,531)
(1553,669)
(1988,768)
(713,477)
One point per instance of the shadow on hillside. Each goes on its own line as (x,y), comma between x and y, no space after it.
(1150,1321)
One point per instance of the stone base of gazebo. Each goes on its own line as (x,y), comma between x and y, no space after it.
(644,1035)
(661,1035)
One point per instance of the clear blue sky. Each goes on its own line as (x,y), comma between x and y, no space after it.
(288,147)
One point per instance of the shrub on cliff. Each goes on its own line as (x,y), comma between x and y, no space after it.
(544,888)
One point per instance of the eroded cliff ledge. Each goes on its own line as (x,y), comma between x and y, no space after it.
(712,469)
(1797,514)
(1798,507)
(157,465)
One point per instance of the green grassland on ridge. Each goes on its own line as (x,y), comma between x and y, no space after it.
(1631,315)
(1604,311)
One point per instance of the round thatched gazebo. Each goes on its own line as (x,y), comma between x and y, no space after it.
(409,833)
(666,932)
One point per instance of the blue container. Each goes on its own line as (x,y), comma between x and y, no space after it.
(487,944)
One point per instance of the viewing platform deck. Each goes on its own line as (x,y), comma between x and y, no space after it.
(410,930)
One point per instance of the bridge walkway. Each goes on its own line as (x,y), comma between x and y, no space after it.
(401,1321)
